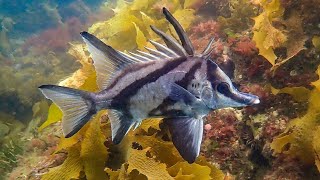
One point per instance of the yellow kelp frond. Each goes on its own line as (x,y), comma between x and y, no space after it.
(87,156)
(93,151)
(143,151)
(150,123)
(78,78)
(298,139)
(147,166)
(272,31)
(70,169)
(184,170)
(265,35)
(117,174)
(300,94)
(129,28)
(164,151)
(316,147)
(316,42)
(317,83)
(140,38)
(54,115)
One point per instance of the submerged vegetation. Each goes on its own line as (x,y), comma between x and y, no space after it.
(269,47)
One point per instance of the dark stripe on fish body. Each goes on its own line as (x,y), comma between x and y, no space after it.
(133,88)
(189,76)
(130,69)
(184,83)
(174,113)
(168,113)
(162,108)
(212,73)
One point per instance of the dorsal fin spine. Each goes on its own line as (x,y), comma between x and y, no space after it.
(164,49)
(131,57)
(140,56)
(148,55)
(186,43)
(170,42)
(157,53)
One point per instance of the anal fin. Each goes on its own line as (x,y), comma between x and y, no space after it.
(186,133)
(120,125)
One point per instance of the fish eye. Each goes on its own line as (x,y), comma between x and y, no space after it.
(223,87)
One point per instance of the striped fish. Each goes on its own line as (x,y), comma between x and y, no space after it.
(171,82)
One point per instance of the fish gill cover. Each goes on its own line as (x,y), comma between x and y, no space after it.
(278,139)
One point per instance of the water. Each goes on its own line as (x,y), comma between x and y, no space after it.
(268,48)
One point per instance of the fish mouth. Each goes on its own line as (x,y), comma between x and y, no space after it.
(248,99)
(256,101)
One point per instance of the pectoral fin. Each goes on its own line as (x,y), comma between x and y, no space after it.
(186,135)
(178,93)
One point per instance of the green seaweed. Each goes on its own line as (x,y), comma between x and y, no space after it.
(9,155)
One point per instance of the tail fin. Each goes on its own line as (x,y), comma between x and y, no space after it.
(77,106)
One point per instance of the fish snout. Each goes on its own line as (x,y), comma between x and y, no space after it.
(249,99)
(256,101)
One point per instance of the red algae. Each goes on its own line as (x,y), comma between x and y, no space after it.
(203,32)
(245,47)
(221,139)
(55,39)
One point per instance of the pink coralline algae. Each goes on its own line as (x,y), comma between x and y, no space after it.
(207,127)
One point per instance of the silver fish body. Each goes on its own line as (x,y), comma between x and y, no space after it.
(169,82)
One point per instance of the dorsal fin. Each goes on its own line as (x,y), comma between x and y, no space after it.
(186,43)
(106,59)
